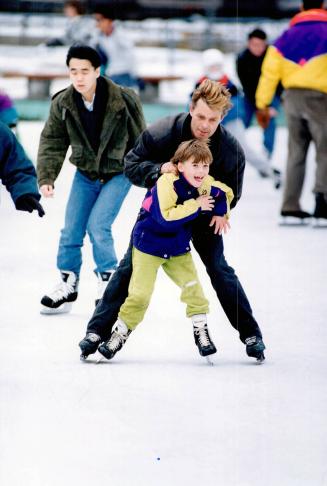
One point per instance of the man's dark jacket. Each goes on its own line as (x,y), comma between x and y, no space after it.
(158,143)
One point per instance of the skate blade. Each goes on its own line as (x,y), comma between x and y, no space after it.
(292,221)
(83,357)
(63,309)
(209,361)
(261,359)
(319,223)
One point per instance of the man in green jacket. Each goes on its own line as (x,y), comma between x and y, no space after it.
(101,122)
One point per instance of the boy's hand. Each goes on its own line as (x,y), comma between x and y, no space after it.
(220,223)
(206,202)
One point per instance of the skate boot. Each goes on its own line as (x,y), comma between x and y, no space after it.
(119,336)
(320,212)
(60,300)
(89,344)
(201,335)
(255,348)
(295,218)
(103,279)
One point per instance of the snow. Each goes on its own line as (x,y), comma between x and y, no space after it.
(157,414)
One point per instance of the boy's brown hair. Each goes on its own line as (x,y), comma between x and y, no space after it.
(198,150)
(214,94)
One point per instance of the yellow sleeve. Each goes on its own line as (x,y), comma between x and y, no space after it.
(271,74)
(167,198)
(209,182)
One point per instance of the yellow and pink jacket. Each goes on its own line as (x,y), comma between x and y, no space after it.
(298,57)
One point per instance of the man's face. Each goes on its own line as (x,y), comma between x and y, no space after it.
(204,121)
(194,172)
(103,24)
(257,46)
(83,75)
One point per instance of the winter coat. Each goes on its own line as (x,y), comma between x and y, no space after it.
(298,57)
(163,226)
(158,143)
(123,122)
(17,172)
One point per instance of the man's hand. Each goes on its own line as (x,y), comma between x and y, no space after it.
(169,167)
(47,190)
(206,202)
(220,223)
(29,203)
(263,117)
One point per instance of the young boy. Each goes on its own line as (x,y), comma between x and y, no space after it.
(161,238)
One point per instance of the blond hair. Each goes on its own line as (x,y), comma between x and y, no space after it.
(214,94)
(198,150)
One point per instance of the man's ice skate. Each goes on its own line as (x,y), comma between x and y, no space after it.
(119,336)
(319,217)
(103,279)
(60,300)
(295,218)
(201,336)
(255,348)
(89,344)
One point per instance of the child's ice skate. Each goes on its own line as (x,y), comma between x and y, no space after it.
(119,336)
(255,348)
(89,344)
(201,336)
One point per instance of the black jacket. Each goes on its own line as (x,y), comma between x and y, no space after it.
(157,144)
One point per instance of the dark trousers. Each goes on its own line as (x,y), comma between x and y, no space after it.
(223,278)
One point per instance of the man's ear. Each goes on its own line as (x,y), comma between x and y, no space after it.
(97,71)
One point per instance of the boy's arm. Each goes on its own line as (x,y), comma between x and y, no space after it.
(222,194)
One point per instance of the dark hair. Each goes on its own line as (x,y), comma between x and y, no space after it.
(84,52)
(107,11)
(78,6)
(258,33)
(308,4)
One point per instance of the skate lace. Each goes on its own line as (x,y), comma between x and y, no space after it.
(62,290)
(92,337)
(203,336)
(116,341)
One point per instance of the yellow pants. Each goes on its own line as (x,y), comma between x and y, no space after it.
(180,269)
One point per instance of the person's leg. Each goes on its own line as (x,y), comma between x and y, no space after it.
(248,112)
(182,271)
(269,133)
(82,197)
(102,217)
(224,280)
(145,269)
(299,138)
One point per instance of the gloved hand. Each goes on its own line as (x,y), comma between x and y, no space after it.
(263,117)
(27,202)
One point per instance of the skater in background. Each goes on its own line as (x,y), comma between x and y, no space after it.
(143,166)
(8,112)
(100,121)
(298,59)
(248,66)
(161,238)
(17,173)
(116,50)
(213,67)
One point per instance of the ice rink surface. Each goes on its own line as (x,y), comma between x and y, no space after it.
(157,414)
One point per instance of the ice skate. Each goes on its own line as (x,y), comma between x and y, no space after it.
(89,344)
(119,336)
(276,178)
(59,301)
(103,279)
(295,218)
(201,336)
(255,348)
(319,217)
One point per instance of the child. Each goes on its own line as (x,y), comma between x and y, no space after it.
(161,238)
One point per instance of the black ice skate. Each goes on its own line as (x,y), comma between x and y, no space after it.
(201,335)
(89,344)
(119,336)
(255,348)
(103,279)
(295,218)
(60,300)
(320,212)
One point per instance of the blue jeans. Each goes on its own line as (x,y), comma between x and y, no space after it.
(270,131)
(92,207)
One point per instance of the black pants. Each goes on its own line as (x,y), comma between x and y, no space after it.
(229,291)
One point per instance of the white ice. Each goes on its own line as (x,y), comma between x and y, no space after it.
(157,414)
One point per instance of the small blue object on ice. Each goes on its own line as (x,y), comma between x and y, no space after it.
(158,458)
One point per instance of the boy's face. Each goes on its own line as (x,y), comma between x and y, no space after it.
(103,24)
(194,172)
(204,121)
(83,75)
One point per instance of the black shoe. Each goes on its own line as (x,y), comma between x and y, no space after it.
(321,206)
(89,344)
(201,335)
(116,341)
(255,348)
(298,217)
(61,298)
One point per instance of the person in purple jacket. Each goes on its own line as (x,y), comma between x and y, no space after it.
(161,238)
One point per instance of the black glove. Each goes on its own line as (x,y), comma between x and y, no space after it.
(27,202)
